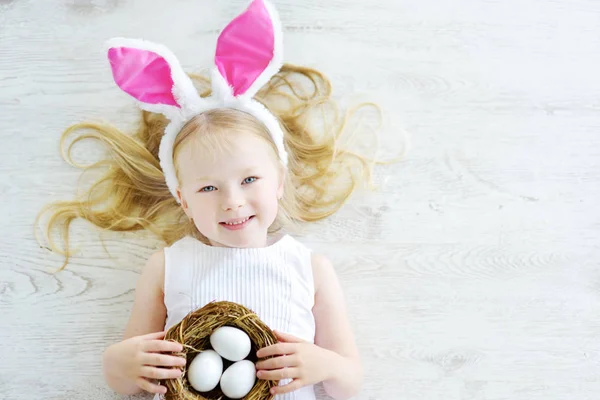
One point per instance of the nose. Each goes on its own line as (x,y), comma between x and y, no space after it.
(233,198)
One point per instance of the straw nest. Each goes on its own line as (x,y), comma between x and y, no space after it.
(194,333)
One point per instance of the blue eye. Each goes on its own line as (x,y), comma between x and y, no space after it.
(250,179)
(207,189)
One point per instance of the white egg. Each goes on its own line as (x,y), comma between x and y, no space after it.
(238,380)
(205,371)
(231,343)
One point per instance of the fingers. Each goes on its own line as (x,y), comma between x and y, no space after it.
(155,342)
(154,335)
(290,387)
(162,360)
(164,346)
(160,373)
(286,337)
(278,374)
(278,362)
(278,349)
(150,387)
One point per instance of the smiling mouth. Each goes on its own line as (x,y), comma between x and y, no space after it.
(236,222)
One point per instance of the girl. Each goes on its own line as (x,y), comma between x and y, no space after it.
(217,176)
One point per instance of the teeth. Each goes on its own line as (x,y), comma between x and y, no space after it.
(238,222)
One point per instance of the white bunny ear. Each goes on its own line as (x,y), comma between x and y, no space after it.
(249,51)
(151,74)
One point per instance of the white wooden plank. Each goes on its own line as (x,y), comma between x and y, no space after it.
(480,250)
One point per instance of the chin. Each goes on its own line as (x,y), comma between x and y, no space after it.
(246,241)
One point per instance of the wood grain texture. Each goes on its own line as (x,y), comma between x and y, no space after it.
(472,273)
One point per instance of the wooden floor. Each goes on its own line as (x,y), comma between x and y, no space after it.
(473,273)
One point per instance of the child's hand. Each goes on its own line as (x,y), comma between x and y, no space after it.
(139,359)
(303,362)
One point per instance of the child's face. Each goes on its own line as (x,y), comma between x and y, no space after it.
(240,184)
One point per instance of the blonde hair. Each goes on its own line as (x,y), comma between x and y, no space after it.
(132,195)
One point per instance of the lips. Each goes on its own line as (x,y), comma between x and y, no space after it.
(238,223)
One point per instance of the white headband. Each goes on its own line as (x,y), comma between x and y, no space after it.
(249,52)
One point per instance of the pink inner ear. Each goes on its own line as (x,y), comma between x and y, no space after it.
(143,74)
(245,47)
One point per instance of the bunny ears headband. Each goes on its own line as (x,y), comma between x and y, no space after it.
(248,54)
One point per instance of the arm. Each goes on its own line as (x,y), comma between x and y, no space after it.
(334,332)
(149,312)
(147,316)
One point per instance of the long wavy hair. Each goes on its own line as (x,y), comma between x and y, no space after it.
(132,194)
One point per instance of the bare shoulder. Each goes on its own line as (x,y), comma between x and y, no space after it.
(148,313)
(156,262)
(333,328)
(154,269)
(322,269)
(320,260)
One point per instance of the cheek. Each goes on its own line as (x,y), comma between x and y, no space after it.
(201,207)
(268,199)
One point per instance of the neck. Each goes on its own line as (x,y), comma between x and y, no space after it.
(252,243)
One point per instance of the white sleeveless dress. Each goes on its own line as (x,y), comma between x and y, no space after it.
(275,281)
